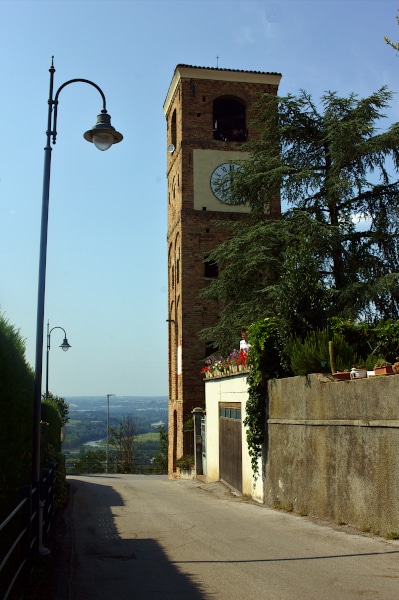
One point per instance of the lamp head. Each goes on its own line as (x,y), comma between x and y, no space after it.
(65,345)
(102,134)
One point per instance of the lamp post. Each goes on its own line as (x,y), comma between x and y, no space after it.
(107,452)
(65,346)
(103,135)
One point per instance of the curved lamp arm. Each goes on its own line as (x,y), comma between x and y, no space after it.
(102,134)
(65,344)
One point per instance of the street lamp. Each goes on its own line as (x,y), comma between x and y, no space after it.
(65,346)
(103,136)
(107,452)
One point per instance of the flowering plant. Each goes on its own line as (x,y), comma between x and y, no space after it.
(213,363)
(242,358)
(217,364)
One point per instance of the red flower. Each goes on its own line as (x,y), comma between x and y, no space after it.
(242,358)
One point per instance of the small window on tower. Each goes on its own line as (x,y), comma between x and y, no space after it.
(229,122)
(173,128)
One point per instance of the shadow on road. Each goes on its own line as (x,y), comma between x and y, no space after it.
(104,566)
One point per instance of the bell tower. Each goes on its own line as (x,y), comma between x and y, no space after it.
(208,113)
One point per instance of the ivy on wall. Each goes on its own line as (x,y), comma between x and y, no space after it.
(269,358)
(265,363)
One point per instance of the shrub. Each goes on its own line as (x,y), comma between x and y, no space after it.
(51,428)
(186,461)
(16,416)
(311,355)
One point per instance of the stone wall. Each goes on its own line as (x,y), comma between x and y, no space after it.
(333,450)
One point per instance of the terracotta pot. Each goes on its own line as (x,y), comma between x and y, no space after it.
(342,375)
(387,370)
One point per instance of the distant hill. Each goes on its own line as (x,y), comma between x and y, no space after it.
(88,416)
(120,404)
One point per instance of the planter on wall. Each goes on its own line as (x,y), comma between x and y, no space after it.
(358,373)
(189,473)
(342,376)
(387,370)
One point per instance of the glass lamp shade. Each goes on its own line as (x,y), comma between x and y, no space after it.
(102,140)
(102,134)
(65,345)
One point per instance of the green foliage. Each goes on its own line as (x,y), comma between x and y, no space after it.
(51,426)
(311,355)
(125,442)
(88,425)
(60,486)
(91,461)
(161,457)
(379,339)
(381,362)
(264,356)
(63,407)
(185,462)
(16,416)
(255,421)
(330,166)
(392,535)
(301,283)
(189,424)
(264,363)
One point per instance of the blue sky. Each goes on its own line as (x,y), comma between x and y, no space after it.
(106,266)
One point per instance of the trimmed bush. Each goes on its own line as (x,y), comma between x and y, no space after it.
(16,416)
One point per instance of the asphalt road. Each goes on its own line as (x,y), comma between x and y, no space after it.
(148,538)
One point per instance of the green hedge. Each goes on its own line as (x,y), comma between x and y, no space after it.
(16,416)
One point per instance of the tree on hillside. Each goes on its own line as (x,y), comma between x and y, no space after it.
(125,443)
(331,166)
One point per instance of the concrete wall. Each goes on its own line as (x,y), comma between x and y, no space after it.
(333,450)
(228,389)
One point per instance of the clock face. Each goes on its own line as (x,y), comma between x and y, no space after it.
(221,181)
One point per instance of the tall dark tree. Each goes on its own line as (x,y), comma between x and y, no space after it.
(331,167)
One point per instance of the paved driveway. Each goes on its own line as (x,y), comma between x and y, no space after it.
(148,538)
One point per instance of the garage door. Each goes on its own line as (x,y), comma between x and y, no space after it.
(230,444)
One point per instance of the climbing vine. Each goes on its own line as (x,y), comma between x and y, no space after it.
(265,363)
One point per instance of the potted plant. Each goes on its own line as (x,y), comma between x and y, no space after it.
(186,464)
(342,375)
(359,372)
(383,367)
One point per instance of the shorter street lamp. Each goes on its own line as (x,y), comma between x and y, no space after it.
(65,346)
(107,453)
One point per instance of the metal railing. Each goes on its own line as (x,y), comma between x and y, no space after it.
(22,533)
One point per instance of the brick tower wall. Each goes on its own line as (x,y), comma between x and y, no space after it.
(192,234)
